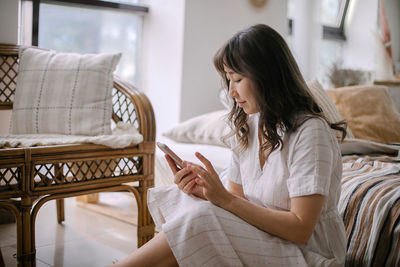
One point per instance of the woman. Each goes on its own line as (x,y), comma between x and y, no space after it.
(284,176)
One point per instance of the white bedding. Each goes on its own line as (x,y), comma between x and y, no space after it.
(219,157)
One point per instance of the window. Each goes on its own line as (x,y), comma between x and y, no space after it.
(85,26)
(333,14)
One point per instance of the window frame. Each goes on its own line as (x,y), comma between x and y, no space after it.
(330,32)
(96,3)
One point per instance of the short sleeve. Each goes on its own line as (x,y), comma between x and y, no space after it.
(233,171)
(311,159)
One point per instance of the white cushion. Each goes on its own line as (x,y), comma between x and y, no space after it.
(328,107)
(206,129)
(63,93)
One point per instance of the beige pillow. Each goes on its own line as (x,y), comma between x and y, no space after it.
(369,111)
(328,107)
(205,129)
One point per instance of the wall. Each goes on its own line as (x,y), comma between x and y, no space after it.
(162,59)
(364,36)
(9,17)
(361,29)
(361,50)
(8,34)
(307,37)
(181,39)
(208,24)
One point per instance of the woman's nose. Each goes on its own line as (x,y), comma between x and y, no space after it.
(232,91)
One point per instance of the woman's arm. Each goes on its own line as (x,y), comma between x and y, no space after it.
(296,225)
(236,189)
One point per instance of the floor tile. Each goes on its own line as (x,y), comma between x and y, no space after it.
(10,258)
(83,252)
(9,255)
(86,238)
(8,234)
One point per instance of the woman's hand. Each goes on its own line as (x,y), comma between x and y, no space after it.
(208,179)
(185,178)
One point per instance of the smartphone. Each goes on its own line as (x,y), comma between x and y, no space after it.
(169,152)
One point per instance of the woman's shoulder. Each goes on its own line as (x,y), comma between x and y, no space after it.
(308,122)
(311,128)
(312,134)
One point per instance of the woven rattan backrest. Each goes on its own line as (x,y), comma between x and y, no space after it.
(126,99)
(8,75)
(123,108)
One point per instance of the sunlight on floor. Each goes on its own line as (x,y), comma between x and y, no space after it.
(86,238)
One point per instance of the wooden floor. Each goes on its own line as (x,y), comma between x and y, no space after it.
(86,238)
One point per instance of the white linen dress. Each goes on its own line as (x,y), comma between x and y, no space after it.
(202,234)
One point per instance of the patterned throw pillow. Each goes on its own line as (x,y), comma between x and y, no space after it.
(63,93)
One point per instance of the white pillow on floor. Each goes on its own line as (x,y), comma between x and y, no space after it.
(206,129)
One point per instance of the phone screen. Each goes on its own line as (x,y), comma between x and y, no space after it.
(171,153)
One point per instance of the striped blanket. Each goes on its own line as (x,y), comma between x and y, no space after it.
(370,206)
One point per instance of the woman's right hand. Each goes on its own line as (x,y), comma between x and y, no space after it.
(185,178)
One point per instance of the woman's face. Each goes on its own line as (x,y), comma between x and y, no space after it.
(240,90)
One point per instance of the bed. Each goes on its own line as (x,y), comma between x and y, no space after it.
(370,199)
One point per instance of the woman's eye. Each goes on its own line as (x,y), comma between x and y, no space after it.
(236,81)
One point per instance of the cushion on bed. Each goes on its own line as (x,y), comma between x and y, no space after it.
(205,129)
(63,93)
(369,111)
(328,107)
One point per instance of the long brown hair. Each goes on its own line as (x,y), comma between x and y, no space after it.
(262,55)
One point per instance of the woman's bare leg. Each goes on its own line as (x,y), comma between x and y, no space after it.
(156,252)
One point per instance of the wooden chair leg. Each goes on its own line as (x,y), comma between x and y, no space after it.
(59,175)
(146,225)
(60,210)
(26,252)
(2,264)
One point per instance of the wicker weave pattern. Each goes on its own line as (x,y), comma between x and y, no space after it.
(8,78)
(10,178)
(123,108)
(84,171)
(31,176)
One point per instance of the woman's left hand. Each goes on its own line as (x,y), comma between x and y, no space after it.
(213,189)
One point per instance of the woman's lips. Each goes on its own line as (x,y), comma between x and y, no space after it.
(240,104)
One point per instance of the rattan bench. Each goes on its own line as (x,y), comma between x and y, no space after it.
(31,176)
